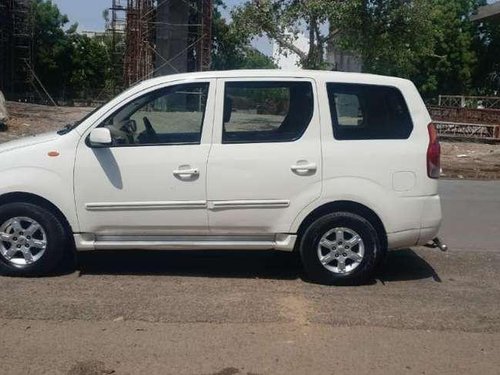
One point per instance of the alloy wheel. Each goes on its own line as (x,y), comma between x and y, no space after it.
(341,250)
(23,241)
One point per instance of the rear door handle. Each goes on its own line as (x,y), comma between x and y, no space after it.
(186,172)
(304,168)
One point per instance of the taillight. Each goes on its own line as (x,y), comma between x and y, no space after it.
(433,153)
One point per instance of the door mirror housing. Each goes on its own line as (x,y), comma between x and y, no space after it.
(100,137)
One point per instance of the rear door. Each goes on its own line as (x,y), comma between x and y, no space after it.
(265,162)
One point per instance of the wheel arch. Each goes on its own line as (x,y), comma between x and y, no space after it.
(24,197)
(345,206)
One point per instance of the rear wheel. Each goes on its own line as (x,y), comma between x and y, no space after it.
(340,248)
(32,240)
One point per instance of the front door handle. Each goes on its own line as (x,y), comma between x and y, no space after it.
(304,167)
(186,172)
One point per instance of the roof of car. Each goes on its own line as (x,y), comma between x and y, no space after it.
(270,73)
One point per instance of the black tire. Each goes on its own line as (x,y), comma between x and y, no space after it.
(311,260)
(56,237)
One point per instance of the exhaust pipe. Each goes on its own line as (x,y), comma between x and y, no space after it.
(436,243)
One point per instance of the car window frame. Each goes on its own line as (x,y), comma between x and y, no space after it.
(332,110)
(151,91)
(221,90)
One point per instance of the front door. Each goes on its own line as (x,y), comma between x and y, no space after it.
(265,164)
(151,181)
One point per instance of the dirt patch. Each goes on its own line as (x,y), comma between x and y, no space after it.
(467,160)
(31,119)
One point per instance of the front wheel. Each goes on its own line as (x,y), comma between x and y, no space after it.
(32,240)
(340,248)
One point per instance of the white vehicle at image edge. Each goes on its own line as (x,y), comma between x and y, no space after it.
(340,167)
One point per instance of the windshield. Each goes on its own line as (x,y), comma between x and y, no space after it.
(69,127)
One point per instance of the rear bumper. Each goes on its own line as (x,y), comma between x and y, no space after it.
(431,213)
(425,230)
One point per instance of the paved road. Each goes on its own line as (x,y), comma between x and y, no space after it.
(231,313)
(471,212)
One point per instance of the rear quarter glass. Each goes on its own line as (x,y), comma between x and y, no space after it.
(363,112)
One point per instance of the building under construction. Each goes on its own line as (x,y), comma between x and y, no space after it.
(163,36)
(15,47)
(160,36)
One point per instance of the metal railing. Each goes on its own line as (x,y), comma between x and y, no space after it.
(485,132)
(465,115)
(479,102)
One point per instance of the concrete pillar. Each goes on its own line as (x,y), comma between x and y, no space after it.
(172,37)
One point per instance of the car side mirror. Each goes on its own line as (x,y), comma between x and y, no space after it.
(100,137)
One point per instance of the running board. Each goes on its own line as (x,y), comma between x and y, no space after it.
(89,242)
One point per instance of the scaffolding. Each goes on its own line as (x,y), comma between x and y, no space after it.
(138,62)
(204,45)
(163,36)
(16,35)
(116,27)
(118,20)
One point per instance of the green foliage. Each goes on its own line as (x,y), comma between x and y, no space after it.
(74,66)
(486,80)
(90,59)
(389,35)
(231,49)
(283,20)
(449,67)
(70,65)
(428,41)
(52,58)
(432,42)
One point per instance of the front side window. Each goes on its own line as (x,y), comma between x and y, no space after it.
(171,115)
(266,111)
(368,112)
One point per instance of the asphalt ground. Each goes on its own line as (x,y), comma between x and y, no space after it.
(471,214)
(230,313)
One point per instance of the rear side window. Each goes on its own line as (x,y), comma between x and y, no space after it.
(368,112)
(266,111)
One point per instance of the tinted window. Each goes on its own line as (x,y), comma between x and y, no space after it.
(266,111)
(368,112)
(173,115)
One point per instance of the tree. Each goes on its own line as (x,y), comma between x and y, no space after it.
(70,65)
(486,76)
(432,42)
(51,51)
(450,66)
(231,49)
(389,35)
(90,64)
(283,20)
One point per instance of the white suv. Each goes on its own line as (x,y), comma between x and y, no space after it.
(337,166)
